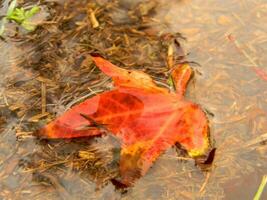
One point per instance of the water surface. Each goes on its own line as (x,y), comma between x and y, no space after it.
(228,39)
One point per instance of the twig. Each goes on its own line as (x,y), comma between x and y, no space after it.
(43,97)
(93,19)
(5,99)
(61,190)
(261,188)
(36,118)
(238,46)
(170,57)
(82,98)
(202,189)
(257,140)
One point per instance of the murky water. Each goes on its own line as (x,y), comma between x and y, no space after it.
(229,41)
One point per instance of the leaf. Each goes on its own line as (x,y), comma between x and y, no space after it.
(30,13)
(22,16)
(146,118)
(127,78)
(2,26)
(18,15)
(11,7)
(181,75)
(261,73)
(29,26)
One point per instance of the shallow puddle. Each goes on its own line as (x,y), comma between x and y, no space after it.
(45,72)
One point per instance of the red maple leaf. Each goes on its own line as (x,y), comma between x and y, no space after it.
(146,118)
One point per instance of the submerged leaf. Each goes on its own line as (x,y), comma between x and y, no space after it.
(146,118)
(261,73)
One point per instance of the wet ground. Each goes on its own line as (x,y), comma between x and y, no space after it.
(45,72)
